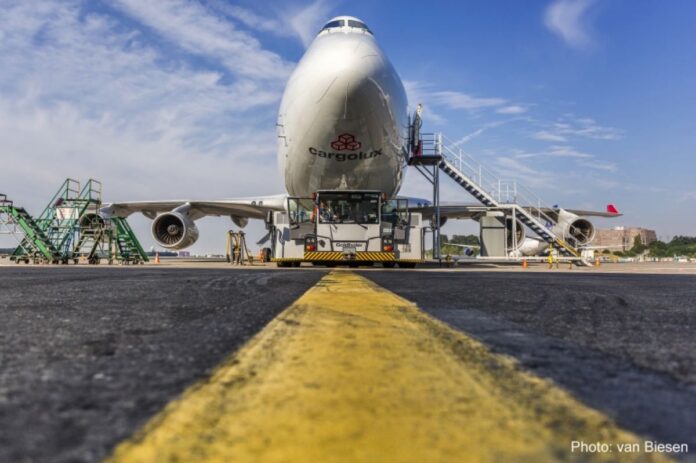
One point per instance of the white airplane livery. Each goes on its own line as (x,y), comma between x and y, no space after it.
(343,147)
(343,118)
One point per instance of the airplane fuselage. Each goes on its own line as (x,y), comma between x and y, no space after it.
(343,121)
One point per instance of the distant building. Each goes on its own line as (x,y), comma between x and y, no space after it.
(622,238)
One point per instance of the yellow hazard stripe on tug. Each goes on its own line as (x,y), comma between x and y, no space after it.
(374,256)
(338,255)
(353,373)
(323,255)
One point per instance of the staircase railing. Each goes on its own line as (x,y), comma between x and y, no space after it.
(491,188)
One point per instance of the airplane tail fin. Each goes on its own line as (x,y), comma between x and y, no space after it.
(612,209)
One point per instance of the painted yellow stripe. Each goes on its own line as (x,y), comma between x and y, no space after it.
(352,372)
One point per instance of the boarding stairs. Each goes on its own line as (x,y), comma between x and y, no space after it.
(34,244)
(494,192)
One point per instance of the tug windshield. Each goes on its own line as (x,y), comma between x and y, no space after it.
(360,208)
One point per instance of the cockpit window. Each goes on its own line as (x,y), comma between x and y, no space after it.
(358,24)
(337,23)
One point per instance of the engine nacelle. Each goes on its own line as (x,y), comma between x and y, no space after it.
(174,230)
(576,230)
(91,220)
(530,247)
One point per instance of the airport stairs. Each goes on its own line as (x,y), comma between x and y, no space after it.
(35,245)
(128,248)
(70,227)
(58,220)
(495,193)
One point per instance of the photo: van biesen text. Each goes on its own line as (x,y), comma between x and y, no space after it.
(647,446)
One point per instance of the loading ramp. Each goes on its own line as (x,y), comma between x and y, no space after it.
(491,191)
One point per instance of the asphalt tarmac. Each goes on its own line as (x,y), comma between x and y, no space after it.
(623,344)
(87,355)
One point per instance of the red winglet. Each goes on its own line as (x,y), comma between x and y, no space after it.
(612,209)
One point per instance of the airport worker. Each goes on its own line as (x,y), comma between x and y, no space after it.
(550,258)
(236,251)
(325,213)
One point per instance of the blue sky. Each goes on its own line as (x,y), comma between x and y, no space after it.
(587,102)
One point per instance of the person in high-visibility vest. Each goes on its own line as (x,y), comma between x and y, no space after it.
(550,258)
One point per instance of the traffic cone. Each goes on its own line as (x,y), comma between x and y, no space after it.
(157,260)
(524,263)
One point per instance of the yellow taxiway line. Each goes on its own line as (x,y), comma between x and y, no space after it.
(353,372)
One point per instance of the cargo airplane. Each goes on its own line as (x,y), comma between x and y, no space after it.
(343,125)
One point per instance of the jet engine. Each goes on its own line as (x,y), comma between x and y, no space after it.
(91,220)
(530,246)
(174,230)
(577,231)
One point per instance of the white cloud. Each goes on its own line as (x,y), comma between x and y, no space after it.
(566,18)
(514,109)
(512,168)
(249,18)
(192,27)
(307,21)
(84,95)
(567,152)
(468,137)
(577,127)
(688,196)
(548,136)
(459,100)
(302,23)
(420,92)
(559,151)
(599,165)
(588,128)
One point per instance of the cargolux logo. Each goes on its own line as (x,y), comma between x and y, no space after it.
(346,142)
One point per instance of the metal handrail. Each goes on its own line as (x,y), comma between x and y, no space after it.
(63,192)
(500,190)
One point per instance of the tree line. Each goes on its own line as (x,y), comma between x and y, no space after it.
(678,246)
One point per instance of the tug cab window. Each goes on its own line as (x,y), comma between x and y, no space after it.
(360,208)
(300,210)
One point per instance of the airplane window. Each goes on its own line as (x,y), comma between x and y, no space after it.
(358,24)
(337,23)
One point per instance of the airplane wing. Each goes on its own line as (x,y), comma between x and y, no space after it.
(583,213)
(474,211)
(242,208)
(449,211)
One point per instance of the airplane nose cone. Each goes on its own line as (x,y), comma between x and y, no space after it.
(351,71)
(355,58)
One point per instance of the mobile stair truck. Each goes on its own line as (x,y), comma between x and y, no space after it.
(351,228)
